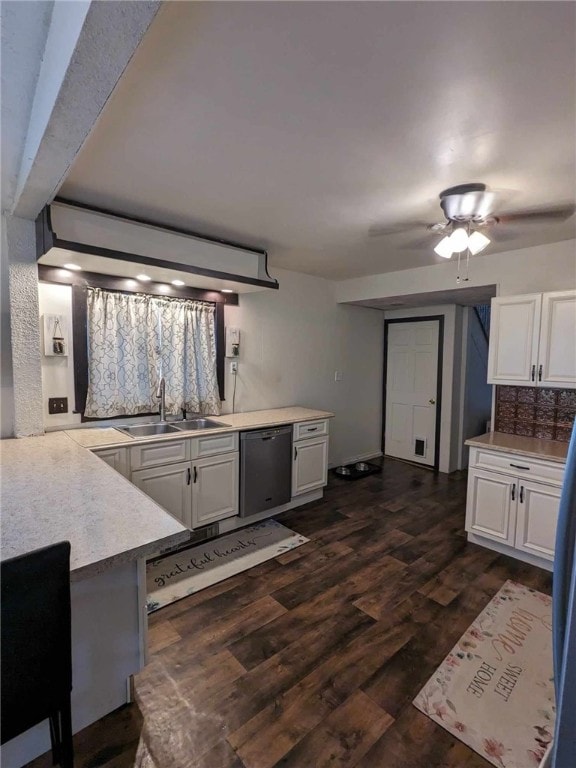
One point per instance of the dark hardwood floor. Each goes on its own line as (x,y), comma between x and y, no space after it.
(313,659)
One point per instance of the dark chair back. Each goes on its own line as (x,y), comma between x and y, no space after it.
(35,643)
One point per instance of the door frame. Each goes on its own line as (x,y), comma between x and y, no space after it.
(423,319)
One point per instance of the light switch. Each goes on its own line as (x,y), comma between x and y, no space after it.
(338,375)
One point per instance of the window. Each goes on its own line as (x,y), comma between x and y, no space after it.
(136,339)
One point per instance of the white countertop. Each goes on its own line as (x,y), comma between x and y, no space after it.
(54,490)
(100,437)
(551,450)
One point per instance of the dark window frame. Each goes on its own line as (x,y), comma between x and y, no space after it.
(80,282)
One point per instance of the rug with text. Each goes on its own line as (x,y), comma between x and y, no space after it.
(172,577)
(495,691)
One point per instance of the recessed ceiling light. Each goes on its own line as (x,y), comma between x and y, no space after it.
(178,282)
(143,278)
(163,288)
(73,267)
(227,290)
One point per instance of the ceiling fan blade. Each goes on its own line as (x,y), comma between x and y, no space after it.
(377,230)
(543,214)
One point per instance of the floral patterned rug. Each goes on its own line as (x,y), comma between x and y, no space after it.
(172,577)
(495,691)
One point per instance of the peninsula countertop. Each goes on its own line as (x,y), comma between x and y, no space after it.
(551,450)
(101,437)
(53,490)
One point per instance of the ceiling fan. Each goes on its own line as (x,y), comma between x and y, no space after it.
(473,206)
(469,211)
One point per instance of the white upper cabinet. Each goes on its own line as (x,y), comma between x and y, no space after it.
(533,340)
(557,356)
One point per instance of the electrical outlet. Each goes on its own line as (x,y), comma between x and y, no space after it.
(57,405)
(234,367)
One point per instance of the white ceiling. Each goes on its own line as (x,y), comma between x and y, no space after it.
(298,127)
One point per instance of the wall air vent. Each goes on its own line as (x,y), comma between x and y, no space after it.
(101,241)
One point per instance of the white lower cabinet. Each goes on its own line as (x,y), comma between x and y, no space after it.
(491,506)
(511,509)
(309,465)
(195,492)
(169,486)
(214,488)
(117,458)
(537,518)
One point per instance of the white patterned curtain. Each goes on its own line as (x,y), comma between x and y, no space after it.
(135,339)
(123,351)
(188,356)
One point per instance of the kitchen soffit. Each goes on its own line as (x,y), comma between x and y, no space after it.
(300,126)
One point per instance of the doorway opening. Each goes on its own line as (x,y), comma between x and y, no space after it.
(412,389)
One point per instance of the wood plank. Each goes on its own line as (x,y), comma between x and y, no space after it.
(161,635)
(342,739)
(279,726)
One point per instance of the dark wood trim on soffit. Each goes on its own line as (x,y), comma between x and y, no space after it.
(46,238)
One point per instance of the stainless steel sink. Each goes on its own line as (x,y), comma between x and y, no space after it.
(192,424)
(146,430)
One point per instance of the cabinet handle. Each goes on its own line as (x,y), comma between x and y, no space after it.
(513,491)
(295,453)
(521,494)
(188,476)
(540,372)
(533,376)
(312,429)
(195,474)
(520,466)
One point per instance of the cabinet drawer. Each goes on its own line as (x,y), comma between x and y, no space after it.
(212,445)
(306,429)
(155,454)
(519,466)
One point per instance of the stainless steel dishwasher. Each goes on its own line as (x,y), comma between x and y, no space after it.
(265,469)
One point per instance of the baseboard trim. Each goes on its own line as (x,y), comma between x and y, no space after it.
(504,549)
(233,523)
(359,457)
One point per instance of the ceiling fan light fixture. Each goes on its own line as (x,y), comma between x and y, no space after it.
(459,240)
(477,242)
(444,248)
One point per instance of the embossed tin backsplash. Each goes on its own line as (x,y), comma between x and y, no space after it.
(534,412)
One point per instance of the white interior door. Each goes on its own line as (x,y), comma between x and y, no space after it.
(411,390)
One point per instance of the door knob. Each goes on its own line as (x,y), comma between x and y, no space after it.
(432,401)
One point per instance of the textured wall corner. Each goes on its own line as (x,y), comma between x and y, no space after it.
(24,327)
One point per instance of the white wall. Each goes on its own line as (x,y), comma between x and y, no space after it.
(24,392)
(293,341)
(451,372)
(57,372)
(543,268)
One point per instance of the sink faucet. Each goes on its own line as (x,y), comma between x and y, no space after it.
(161,395)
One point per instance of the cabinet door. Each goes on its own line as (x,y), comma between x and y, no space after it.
(514,332)
(214,488)
(169,486)
(491,505)
(557,355)
(117,458)
(537,517)
(309,465)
